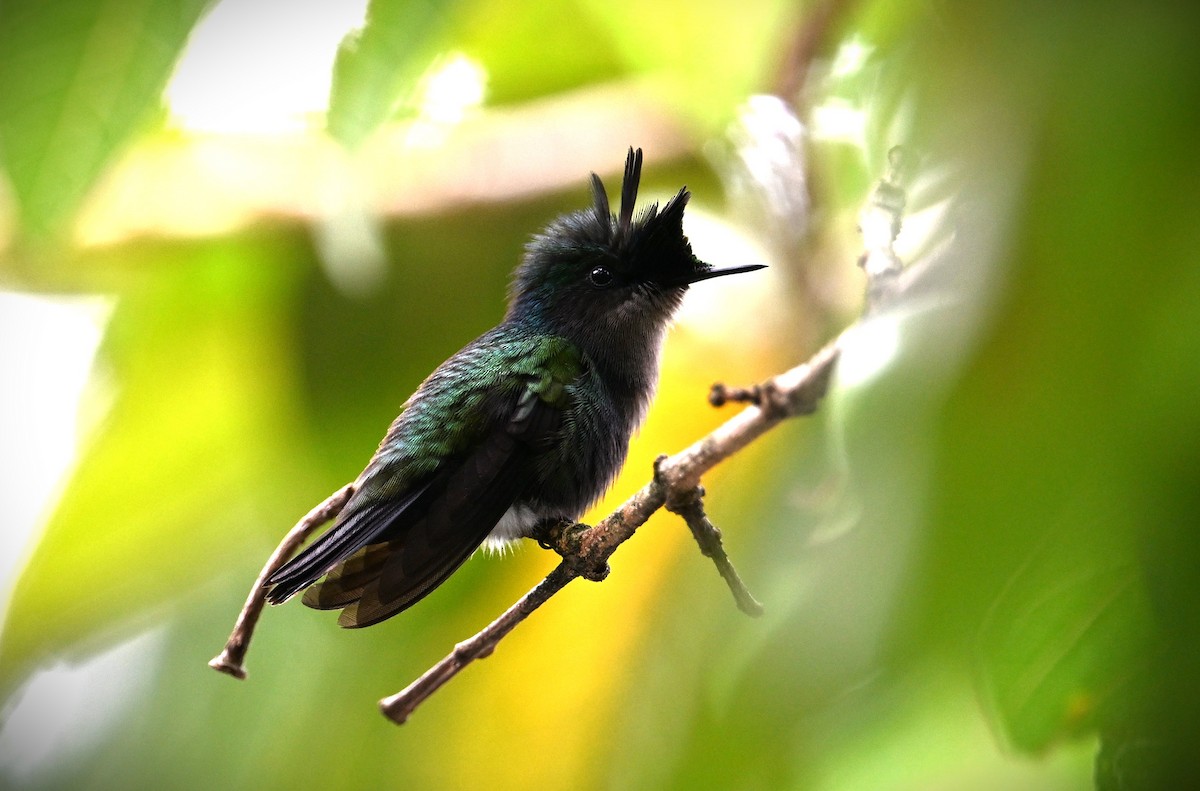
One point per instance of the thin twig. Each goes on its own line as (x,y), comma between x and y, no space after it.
(398,707)
(805,45)
(690,506)
(232,658)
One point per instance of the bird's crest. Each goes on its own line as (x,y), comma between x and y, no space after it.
(625,228)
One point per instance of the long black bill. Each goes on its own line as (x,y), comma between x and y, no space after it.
(708,274)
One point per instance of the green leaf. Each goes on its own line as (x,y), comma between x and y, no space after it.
(378,66)
(674,44)
(583,50)
(1062,640)
(171,490)
(79,78)
(1055,446)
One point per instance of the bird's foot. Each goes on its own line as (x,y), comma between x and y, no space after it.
(565,537)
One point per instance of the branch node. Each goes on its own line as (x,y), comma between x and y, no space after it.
(226,663)
(684,502)
(466,651)
(768,396)
(805,399)
(658,471)
(777,404)
(721,394)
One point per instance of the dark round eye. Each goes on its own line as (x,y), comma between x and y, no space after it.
(600,277)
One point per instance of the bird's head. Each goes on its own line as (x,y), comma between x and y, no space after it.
(595,274)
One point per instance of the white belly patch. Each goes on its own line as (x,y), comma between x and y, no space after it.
(518,522)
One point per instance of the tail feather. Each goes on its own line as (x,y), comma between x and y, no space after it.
(345,583)
(476,495)
(360,525)
(385,554)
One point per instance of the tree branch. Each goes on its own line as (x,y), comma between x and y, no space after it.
(398,707)
(232,658)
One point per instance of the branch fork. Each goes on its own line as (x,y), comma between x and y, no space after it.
(690,506)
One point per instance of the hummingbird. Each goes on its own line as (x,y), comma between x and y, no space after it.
(527,425)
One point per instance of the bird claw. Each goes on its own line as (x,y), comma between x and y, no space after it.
(549,533)
(564,537)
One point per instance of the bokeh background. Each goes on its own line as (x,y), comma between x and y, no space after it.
(235,235)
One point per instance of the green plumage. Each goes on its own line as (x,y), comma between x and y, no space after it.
(456,405)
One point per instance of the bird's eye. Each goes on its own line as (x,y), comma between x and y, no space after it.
(600,277)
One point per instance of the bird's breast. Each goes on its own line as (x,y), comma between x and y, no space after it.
(589,450)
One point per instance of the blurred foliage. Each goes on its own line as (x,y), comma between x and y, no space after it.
(378,65)
(979,558)
(80,78)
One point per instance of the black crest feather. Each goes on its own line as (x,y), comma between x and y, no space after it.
(629,190)
(600,201)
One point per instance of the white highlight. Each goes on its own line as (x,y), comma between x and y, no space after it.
(47,345)
(867,350)
(448,94)
(452,89)
(851,57)
(716,310)
(260,66)
(66,710)
(840,121)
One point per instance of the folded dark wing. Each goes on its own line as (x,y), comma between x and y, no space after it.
(358,527)
(474,496)
(388,553)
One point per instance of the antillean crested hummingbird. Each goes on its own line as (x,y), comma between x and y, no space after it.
(527,425)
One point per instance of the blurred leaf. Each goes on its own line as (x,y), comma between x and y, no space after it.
(1063,640)
(673,44)
(79,78)
(378,66)
(166,492)
(1054,448)
(581,51)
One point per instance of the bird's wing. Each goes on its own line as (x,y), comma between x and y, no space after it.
(389,551)
(474,495)
(356,528)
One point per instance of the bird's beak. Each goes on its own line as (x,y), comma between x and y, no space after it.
(708,274)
